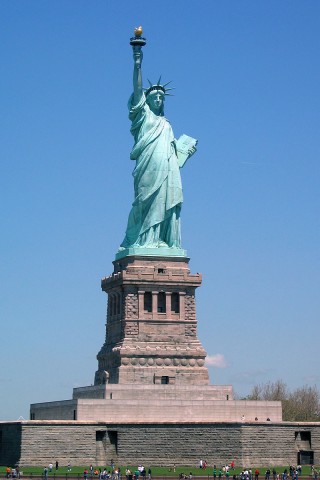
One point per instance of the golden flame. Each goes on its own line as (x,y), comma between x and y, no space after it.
(138,31)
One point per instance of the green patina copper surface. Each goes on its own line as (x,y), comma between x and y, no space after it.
(154,220)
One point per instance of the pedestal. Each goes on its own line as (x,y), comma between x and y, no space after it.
(151,331)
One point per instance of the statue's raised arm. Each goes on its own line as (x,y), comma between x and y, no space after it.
(137,43)
(137,74)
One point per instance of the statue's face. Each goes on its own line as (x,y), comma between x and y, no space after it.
(155,101)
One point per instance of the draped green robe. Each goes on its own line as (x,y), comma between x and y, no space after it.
(154,220)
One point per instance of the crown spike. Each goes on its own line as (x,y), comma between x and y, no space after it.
(158,86)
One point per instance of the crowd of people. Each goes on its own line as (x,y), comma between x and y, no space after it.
(13,472)
(293,473)
(225,472)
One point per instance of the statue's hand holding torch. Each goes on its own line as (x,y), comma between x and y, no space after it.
(137,42)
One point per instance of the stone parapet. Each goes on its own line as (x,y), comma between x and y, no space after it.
(155,392)
(139,407)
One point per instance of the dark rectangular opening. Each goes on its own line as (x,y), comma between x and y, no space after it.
(113,437)
(147,302)
(175,302)
(164,380)
(100,435)
(305,457)
(161,302)
(305,436)
(74,414)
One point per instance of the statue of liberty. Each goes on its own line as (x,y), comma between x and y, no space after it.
(154,219)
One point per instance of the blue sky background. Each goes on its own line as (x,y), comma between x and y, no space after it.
(247,81)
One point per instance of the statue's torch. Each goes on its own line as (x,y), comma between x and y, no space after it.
(138,40)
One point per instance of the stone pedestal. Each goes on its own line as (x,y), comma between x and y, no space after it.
(151,367)
(151,329)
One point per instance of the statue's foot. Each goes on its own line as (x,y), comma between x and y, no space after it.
(163,244)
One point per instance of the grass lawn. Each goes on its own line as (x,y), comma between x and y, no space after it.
(156,471)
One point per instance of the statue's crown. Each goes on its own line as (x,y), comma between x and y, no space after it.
(157,86)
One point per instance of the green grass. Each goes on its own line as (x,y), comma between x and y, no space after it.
(156,471)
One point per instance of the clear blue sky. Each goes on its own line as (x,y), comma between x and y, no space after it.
(247,79)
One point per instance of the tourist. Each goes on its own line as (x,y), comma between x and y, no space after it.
(256,474)
(85,474)
(57,464)
(149,474)
(137,473)
(214,472)
(45,473)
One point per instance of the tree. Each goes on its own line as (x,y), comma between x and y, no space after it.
(299,405)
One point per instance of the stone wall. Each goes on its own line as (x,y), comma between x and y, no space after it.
(277,443)
(83,443)
(182,445)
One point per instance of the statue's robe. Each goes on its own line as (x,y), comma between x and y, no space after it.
(154,219)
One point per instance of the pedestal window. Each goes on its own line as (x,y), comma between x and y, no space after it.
(147,302)
(175,302)
(161,302)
